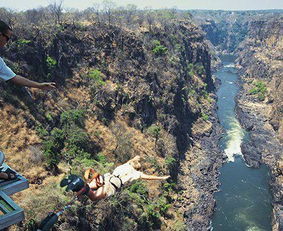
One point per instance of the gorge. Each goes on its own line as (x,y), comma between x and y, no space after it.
(252,41)
(141,83)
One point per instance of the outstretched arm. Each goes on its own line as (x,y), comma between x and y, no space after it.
(152,177)
(19,80)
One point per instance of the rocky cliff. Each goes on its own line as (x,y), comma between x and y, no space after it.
(255,37)
(121,92)
(260,102)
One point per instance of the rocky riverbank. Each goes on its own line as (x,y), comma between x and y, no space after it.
(263,147)
(199,174)
(260,104)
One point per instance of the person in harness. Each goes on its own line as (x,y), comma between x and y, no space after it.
(98,186)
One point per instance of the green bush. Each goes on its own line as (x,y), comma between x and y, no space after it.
(67,141)
(158,49)
(51,62)
(52,147)
(191,92)
(204,116)
(154,130)
(169,187)
(138,187)
(76,137)
(101,158)
(163,205)
(199,68)
(41,131)
(260,90)
(70,117)
(170,161)
(48,116)
(96,75)
(22,42)
(190,69)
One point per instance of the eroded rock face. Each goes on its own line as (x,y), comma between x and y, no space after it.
(260,102)
(256,38)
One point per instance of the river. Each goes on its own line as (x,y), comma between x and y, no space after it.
(243,202)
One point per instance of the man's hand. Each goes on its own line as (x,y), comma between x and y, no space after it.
(47,86)
(19,80)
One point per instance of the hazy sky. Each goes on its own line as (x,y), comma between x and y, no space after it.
(180,4)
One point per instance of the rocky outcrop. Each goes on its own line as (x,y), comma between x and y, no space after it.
(260,102)
(202,162)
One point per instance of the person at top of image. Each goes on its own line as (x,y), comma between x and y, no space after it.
(7,74)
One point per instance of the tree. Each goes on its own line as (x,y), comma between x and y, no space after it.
(8,16)
(131,10)
(96,9)
(108,7)
(57,10)
(35,15)
(150,18)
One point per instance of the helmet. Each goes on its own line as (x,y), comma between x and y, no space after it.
(73,183)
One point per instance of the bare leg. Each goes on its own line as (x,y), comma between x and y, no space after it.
(152,177)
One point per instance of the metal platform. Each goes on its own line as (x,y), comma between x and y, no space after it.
(13,186)
(2,158)
(10,212)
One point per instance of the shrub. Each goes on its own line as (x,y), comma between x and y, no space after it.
(154,130)
(67,141)
(101,158)
(169,187)
(41,131)
(51,62)
(170,161)
(77,137)
(70,117)
(96,76)
(191,92)
(163,205)
(22,42)
(158,49)
(49,117)
(190,69)
(139,188)
(204,116)
(260,90)
(199,68)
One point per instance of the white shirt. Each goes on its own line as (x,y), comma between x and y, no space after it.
(5,72)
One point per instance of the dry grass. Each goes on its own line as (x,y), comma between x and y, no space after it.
(16,137)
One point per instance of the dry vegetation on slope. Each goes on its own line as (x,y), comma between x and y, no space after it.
(124,89)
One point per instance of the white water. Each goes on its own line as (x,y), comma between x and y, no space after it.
(230,65)
(235,136)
